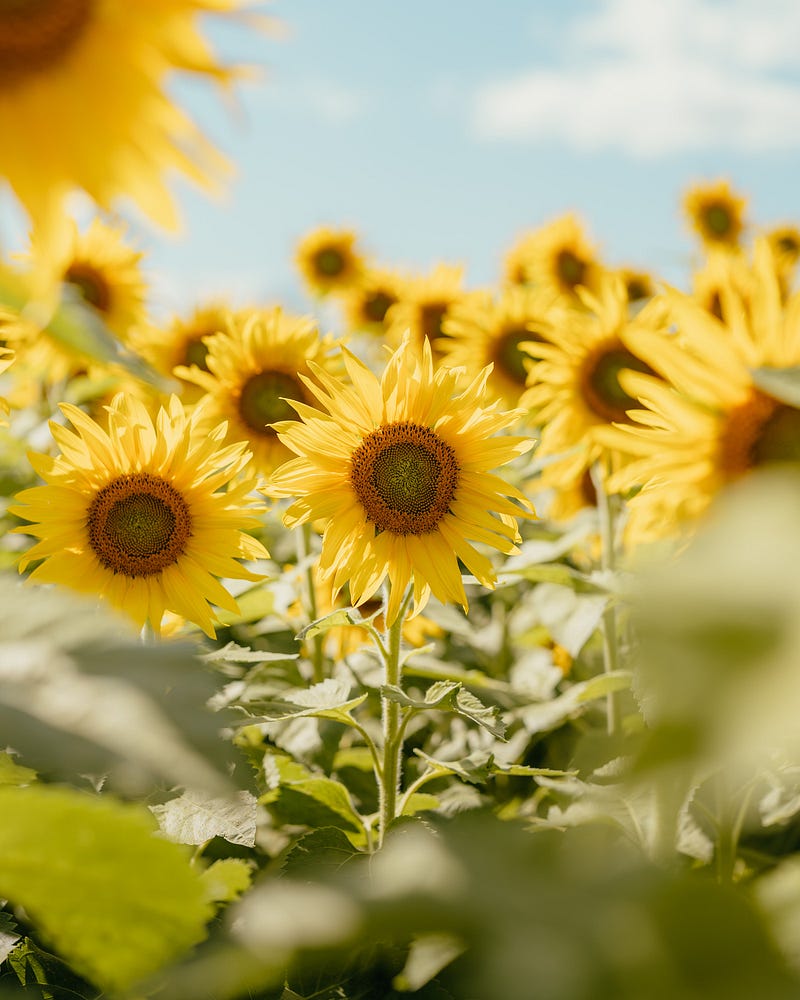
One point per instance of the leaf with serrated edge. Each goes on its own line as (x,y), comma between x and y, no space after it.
(115,901)
(336,619)
(226,879)
(233,653)
(195,818)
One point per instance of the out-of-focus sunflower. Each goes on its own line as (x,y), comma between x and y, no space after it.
(711,422)
(367,304)
(639,285)
(254,367)
(723,282)
(557,256)
(424,305)
(145,516)
(716,213)
(182,342)
(482,329)
(785,244)
(328,260)
(575,386)
(6,358)
(397,470)
(83,91)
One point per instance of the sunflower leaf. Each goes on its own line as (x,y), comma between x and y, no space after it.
(340,618)
(450,696)
(226,879)
(195,818)
(326,700)
(298,797)
(115,901)
(231,652)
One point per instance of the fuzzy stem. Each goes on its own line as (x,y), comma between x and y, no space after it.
(389,779)
(608,564)
(310,601)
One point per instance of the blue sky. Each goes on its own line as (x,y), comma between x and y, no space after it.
(442,129)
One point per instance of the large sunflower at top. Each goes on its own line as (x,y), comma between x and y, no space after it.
(83,94)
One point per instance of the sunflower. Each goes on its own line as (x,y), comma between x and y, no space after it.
(328,260)
(716,213)
(146,516)
(425,304)
(83,93)
(182,342)
(710,423)
(639,285)
(397,471)
(482,330)
(557,257)
(722,282)
(254,369)
(575,386)
(367,303)
(6,357)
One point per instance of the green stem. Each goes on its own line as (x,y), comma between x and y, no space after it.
(608,564)
(389,779)
(310,601)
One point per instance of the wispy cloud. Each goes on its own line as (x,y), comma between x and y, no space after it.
(653,77)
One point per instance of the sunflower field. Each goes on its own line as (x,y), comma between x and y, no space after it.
(447,648)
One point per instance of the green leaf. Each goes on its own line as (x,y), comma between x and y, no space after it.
(427,956)
(547,715)
(232,652)
(254,604)
(56,981)
(115,901)
(450,696)
(12,773)
(336,619)
(300,798)
(319,854)
(420,802)
(326,700)
(226,879)
(195,818)
(8,935)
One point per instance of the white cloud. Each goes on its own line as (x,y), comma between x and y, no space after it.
(659,76)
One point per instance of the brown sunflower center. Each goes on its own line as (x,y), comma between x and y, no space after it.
(196,352)
(138,524)
(600,384)
(263,400)
(91,284)
(761,431)
(509,356)
(637,288)
(789,243)
(329,262)
(405,477)
(376,304)
(36,34)
(570,269)
(431,316)
(718,220)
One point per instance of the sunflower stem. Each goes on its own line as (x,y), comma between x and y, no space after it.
(608,562)
(392,724)
(310,601)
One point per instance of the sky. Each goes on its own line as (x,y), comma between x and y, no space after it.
(441,130)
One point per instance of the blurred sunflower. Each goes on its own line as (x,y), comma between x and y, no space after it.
(713,420)
(182,342)
(254,367)
(83,92)
(425,303)
(575,386)
(328,260)
(557,257)
(398,472)
(639,285)
(785,243)
(722,282)
(367,304)
(482,329)
(145,516)
(6,358)
(716,213)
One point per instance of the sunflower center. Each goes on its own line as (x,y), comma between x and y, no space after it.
(600,382)
(509,357)
(263,400)
(376,305)
(138,524)
(570,269)
(789,244)
(37,34)
(196,352)
(762,431)
(91,284)
(431,316)
(405,477)
(329,262)
(718,219)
